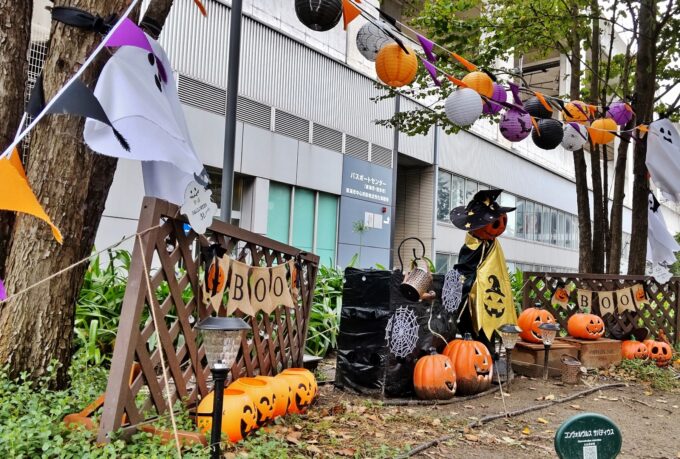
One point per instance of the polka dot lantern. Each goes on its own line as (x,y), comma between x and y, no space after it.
(549,134)
(515,125)
(463,107)
(620,112)
(536,108)
(599,131)
(370,40)
(394,67)
(480,82)
(499,94)
(575,136)
(319,15)
(575,112)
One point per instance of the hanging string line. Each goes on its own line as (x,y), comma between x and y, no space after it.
(63,89)
(151,296)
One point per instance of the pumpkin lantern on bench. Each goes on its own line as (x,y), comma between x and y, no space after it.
(585,326)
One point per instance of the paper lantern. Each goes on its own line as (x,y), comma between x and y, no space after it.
(370,40)
(549,134)
(499,94)
(536,108)
(480,82)
(576,112)
(394,67)
(575,136)
(463,107)
(319,15)
(599,131)
(515,125)
(620,112)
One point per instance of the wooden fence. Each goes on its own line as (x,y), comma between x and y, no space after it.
(276,341)
(661,313)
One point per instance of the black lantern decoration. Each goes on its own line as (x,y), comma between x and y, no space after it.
(222,340)
(536,108)
(549,134)
(509,334)
(319,15)
(548,334)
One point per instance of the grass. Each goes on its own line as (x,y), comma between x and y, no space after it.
(647,372)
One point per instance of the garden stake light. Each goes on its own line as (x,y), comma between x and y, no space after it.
(548,333)
(509,334)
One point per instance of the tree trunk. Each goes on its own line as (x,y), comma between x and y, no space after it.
(645,76)
(15,36)
(616,219)
(73,183)
(585,253)
(605,208)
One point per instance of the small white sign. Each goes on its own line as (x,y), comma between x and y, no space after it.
(368,220)
(198,207)
(377,221)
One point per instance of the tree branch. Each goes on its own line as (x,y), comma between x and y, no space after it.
(155,16)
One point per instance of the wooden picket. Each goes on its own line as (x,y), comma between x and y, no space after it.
(275,342)
(661,313)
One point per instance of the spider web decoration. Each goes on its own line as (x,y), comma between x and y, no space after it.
(401,332)
(452,291)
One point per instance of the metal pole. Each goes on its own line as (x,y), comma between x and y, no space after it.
(508,369)
(230,119)
(435,165)
(545,362)
(395,164)
(219,376)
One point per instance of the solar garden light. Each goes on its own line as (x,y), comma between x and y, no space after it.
(548,334)
(509,334)
(222,339)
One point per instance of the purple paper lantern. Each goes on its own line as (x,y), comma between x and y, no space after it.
(499,95)
(620,112)
(515,125)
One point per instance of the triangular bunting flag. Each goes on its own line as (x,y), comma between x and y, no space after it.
(349,12)
(464,62)
(3,292)
(16,194)
(456,81)
(129,34)
(428,46)
(432,71)
(201,7)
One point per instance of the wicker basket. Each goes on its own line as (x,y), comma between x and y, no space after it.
(571,369)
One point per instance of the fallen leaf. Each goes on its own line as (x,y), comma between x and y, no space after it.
(436,422)
(297,427)
(294,437)
(347,452)
(471,437)
(526,431)
(549,397)
(648,392)
(468,407)
(661,401)
(542,421)
(314,449)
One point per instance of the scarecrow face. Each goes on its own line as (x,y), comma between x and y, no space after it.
(492,230)
(494,298)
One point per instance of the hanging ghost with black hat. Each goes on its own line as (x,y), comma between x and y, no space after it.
(661,246)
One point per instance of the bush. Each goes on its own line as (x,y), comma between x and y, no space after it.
(324,317)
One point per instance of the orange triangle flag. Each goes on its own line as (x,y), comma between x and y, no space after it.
(349,11)
(200,6)
(464,62)
(456,81)
(16,194)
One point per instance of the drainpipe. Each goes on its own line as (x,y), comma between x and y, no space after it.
(395,164)
(435,164)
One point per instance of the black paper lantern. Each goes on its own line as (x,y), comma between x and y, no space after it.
(319,15)
(536,108)
(551,134)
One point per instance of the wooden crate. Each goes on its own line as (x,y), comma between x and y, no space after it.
(600,353)
(527,358)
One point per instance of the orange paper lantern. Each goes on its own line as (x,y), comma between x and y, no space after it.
(598,131)
(575,112)
(394,67)
(261,393)
(480,82)
(239,415)
(281,399)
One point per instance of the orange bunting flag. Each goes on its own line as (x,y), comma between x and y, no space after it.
(533,121)
(200,6)
(456,81)
(545,103)
(464,62)
(16,194)
(349,12)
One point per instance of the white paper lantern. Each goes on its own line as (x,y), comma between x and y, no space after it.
(370,40)
(463,107)
(575,136)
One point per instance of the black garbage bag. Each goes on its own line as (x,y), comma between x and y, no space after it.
(382,334)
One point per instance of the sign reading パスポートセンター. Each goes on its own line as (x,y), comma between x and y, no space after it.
(366,181)
(588,436)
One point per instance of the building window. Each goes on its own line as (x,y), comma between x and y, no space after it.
(304,218)
(444,262)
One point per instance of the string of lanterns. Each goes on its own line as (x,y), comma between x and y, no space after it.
(477,94)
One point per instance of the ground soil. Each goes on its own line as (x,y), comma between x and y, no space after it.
(342,424)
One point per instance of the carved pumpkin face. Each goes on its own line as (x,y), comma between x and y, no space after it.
(308,375)
(301,394)
(634,350)
(492,230)
(529,321)
(561,294)
(434,378)
(659,351)
(585,326)
(239,415)
(280,397)
(640,294)
(261,393)
(214,277)
(472,365)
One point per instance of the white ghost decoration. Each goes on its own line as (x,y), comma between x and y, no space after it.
(661,246)
(198,207)
(142,103)
(575,136)
(663,158)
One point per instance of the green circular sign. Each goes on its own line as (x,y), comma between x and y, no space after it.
(588,436)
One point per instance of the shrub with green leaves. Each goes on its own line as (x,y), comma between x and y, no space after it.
(324,317)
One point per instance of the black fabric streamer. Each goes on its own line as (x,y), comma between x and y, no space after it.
(76,17)
(78,100)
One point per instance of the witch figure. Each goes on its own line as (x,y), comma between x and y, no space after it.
(486,302)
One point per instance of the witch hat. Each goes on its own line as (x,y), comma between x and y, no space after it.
(482,210)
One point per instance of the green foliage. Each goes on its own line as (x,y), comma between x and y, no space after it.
(647,371)
(516,284)
(324,318)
